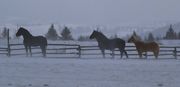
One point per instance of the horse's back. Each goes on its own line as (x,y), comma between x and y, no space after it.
(150,46)
(36,41)
(118,42)
(42,40)
(153,46)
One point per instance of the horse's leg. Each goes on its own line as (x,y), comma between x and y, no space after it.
(26,48)
(113,53)
(44,52)
(121,52)
(156,53)
(43,49)
(140,54)
(146,54)
(103,52)
(30,51)
(126,53)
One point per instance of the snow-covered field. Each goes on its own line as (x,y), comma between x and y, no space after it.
(89,71)
(47,72)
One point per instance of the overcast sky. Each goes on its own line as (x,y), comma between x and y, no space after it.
(89,11)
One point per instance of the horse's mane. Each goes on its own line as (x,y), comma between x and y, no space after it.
(101,34)
(136,38)
(101,38)
(26,31)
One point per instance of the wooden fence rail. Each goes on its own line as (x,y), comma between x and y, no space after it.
(3,51)
(79,50)
(131,50)
(52,49)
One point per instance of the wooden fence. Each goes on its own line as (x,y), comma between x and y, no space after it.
(53,50)
(77,51)
(165,51)
(4,50)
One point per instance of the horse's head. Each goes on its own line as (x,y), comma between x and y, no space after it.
(20,32)
(93,35)
(132,39)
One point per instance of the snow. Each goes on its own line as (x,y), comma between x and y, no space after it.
(170,42)
(90,72)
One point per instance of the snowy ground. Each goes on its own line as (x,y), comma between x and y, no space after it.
(40,72)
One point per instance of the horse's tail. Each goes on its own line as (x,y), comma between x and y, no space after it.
(157,51)
(155,48)
(122,47)
(126,53)
(125,50)
(45,43)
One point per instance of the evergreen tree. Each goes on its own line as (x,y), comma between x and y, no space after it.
(179,35)
(158,38)
(114,36)
(150,37)
(170,34)
(175,35)
(145,38)
(66,34)
(136,35)
(52,34)
(5,33)
(83,38)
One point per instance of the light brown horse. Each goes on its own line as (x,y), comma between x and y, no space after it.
(145,47)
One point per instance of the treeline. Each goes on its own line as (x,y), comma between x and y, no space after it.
(65,34)
(51,34)
(169,35)
(4,34)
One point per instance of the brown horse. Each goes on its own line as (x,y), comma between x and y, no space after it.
(145,47)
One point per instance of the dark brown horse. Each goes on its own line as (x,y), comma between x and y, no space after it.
(30,40)
(145,47)
(109,44)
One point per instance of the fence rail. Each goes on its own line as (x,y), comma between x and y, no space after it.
(3,50)
(74,50)
(131,50)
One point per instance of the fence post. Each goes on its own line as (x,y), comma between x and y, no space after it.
(8,44)
(79,49)
(175,52)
